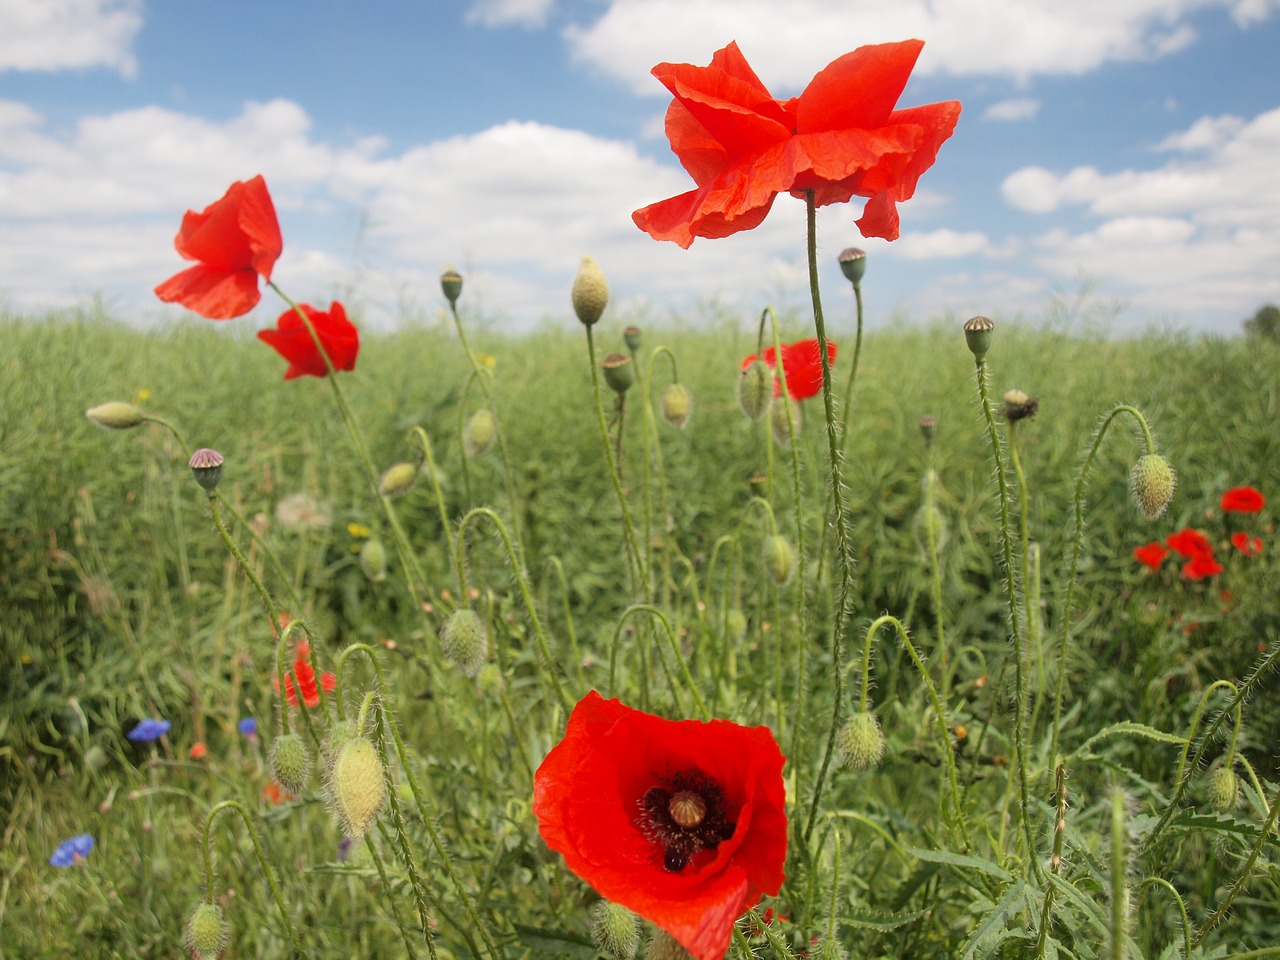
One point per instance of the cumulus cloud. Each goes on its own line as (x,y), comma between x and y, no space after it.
(502,13)
(50,35)
(1016,108)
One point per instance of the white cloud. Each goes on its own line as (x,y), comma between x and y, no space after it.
(788,43)
(1017,108)
(501,13)
(53,35)
(936,244)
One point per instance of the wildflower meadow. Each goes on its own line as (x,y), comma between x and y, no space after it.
(674,637)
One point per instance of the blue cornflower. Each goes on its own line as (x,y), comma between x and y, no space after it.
(148,730)
(249,727)
(69,851)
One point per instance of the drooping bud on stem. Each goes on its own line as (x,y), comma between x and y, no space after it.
(755,391)
(677,405)
(116,415)
(397,479)
(1152,482)
(479,432)
(357,785)
(206,931)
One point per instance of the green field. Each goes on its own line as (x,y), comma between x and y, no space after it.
(121,601)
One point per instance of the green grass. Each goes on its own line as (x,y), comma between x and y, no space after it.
(119,602)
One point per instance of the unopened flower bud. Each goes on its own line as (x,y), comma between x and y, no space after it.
(1152,481)
(1224,789)
(463,641)
(853,264)
(677,405)
(663,946)
(290,761)
(829,949)
(736,623)
(357,785)
(490,679)
(116,415)
(861,741)
(373,560)
(339,733)
(397,480)
(615,930)
(632,337)
(977,334)
(781,410)
(206,931)
(479,432)
(779,558)
(590,292)
(451,284)
(206,467)
(619,372)
(755,389)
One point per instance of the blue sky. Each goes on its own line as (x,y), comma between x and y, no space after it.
(1124,149)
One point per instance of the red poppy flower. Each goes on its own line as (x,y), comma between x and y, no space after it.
(680,821)
(306,679)
(840,138)
(1151,555)
(1243,500)
(1197,568)
(802,364)
(1189,544)
(235,241)
(198,751)
(292,340)
(1249,546)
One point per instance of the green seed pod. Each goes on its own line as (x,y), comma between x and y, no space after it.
(373,560)
(206,931)
(977,335)
(632,337)
(619,372)
(590,292)
(397,480)
(116,415)
(1152,481)
(861,741)
(755,390)
(853,264)
(451,284)
(615,930)
(356,785)
(1224,789)
(463,641)
(677,405)
(479,432)
(206,467)
(290,762)
(779,558)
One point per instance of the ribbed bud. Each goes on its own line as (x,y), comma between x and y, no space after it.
(463,641)
(357,785)
(116,415)
(779,558)
(590,292)
(206,931)
(479,432)
(290,762)
(778,413)
(1152,481)
(677,405)
(451,284)
(373,560)
(1224,789)
(206,467)
(615,930)
(755,390)
(853,264)
(861,741)
(619,372)
(977,334)
(397,480)
(632,337)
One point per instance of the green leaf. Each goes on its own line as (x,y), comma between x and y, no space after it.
(1128,726)
(993,928)
(962,861)
(882,921)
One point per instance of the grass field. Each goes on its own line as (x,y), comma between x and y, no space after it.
(1131,816)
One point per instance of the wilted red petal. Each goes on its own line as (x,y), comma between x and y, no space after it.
(293,341)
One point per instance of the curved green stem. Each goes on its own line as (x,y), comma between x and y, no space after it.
(675,649)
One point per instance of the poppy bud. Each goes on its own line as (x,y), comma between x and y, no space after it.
(779,558)
(615,930)
(861,741)
(290,762)
(464,642)
(1151,481)
(373,560)
(116,415)
(663,946)
(677,405)
(206,931)
(928,429)
(206,467)
(619,372)
(853,264)
(829,949)
(479,432)
(1224,789)
(397,480)
(779,412)
(451,284)
(755,392)
(977,334)
(736,623)
(632,337)
(357,786)
(590,292)
(490,680)
(339,734)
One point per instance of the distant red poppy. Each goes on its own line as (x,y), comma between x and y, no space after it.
(840,138)
(292,340)
(802,364)
(198,751)
(680,821)
(1189,544)
(235,240)
(1151,555)
(1197,568)
(1243,500)
(1249,546)
(306,677)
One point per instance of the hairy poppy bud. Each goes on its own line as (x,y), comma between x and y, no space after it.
(490,680)
(632,337)
(116,415)
(290,761)
(357,786)
(463,641)
(206,931)
(861,741)
(397,480)
(373,560)
(619,372)
(677,405)
(853,264)
(779,558)
(782,408)
(755,392)
(615,930)
(663,946)
(829,949)
(451,284)
(1224,789)
(339,733)
(977,334)
(479,432)
(1152,481)
(206,467)
(590,292)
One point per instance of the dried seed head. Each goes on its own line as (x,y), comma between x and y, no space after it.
(615,930)
(632,337)
(1152,482)
(861,741)
(853,264)
(116,415)
(290,761)
(677,405)
(357,786)
(590,292)
(479,433)
(373,560)
(755,389)
(397,480)
(1018,406)
(451,284)
(206,467)
(206,931)
(463,641)
(779,558)
(977,334)
(619,372)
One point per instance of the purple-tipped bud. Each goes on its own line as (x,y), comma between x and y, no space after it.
(206,466)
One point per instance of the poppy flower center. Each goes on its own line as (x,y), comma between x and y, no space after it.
(684,814)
